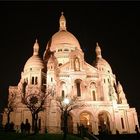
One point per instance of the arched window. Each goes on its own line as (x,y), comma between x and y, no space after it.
(63,90)
(78,87)
(108,80)
(63,94)
(59,50)
(93,89)
(51,79)
(122,122)
(66,50)
(93,94)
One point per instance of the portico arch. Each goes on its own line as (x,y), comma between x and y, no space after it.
(104,122)
(86,119)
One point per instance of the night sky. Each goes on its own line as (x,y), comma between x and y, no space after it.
(114,25)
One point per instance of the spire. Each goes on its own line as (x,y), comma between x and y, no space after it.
(36,48)
(98,51)
(62,22)
(119,87)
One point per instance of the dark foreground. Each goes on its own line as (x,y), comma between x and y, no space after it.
(18,136)
(120,137)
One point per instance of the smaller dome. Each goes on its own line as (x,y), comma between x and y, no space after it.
(34,61)
(101,62)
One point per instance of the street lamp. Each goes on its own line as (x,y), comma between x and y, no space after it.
(66,101)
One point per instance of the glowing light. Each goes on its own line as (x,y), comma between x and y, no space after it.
(66,101)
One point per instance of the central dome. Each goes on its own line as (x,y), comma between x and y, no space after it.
(64,37)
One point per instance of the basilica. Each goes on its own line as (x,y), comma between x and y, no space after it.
(63,72)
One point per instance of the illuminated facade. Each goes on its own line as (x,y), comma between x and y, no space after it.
(64,72)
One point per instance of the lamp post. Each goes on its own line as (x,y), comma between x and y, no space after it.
(66,105)
(65,112)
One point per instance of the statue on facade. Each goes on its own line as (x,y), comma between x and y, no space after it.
(77,64)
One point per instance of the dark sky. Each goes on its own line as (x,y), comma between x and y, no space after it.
(115,25)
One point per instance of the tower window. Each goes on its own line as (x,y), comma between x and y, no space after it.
(36,80)
(104,80)
(108,81)
(32,80)
(122,122)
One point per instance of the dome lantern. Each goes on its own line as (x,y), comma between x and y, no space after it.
(36,48)
(34,61)
(98,51)
(62,22)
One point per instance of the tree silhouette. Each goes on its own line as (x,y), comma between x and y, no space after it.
(35,103)
(66,105)
(11,106)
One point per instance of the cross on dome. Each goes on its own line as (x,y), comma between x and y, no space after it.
(62,22)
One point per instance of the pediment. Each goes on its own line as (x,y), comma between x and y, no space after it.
(89,69)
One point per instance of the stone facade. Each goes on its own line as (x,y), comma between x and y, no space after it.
(63,72)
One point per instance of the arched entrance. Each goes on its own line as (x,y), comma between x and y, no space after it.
(104,124)
(86,120)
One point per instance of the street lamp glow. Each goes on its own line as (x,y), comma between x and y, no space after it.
(66,101)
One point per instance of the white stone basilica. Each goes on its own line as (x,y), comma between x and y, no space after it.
(64,72)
